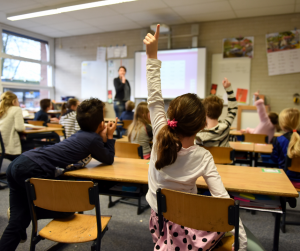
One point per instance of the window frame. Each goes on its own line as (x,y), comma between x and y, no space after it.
(51,85)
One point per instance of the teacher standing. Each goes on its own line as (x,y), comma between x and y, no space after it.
(123,91)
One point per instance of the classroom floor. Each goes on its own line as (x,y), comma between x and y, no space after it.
(129,231)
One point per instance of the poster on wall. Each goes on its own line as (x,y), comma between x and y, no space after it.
(117,51)
(238,47)
(283,52)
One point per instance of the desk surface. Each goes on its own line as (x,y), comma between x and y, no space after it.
(235,178)
(263,148)
(242,146)
(239,133)
(123,139)
(46,129)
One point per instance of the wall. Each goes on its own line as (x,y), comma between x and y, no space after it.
(71,51)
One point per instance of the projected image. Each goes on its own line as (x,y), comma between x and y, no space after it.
(180,71)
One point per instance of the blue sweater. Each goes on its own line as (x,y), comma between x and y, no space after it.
(73,149)
(280,147)
(42,116)
(126,115)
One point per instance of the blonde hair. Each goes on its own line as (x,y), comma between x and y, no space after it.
(289,120)
(129,105)
(140,118)
(7,99)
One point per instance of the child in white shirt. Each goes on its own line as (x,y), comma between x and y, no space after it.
(176,163)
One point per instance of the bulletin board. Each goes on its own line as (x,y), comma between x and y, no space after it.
(112,73)
(237,70)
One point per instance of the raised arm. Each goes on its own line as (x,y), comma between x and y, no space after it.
(232,103)
(155,100)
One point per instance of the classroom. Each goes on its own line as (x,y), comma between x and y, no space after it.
(150,125)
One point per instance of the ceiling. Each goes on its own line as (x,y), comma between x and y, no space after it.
(139,14)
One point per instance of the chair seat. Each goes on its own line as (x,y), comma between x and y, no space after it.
(75,229)
(227,244)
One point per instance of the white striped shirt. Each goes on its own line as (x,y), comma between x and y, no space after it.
(70,123)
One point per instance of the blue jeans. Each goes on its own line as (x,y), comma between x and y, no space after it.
(17,172)
(119,107)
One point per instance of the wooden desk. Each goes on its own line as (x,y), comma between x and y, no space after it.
(242,146)
(123,139)
(239,133)
(42,130)
(263,148)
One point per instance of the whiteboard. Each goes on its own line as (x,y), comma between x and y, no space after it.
(94,80)
(237,70)
(112,73)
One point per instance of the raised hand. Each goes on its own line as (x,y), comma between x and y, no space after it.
(111,127)
(256,94)
(103,134)
(226,83)
(151,43)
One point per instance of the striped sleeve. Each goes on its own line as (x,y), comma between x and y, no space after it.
(232,106)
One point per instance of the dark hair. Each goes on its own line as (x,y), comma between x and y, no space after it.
(65,106)
(45,103)
(90,114)
(213,106)
(189,113)
(274,118)
(123,68)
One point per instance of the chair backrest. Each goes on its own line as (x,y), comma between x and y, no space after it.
(2,150)
(36,122)
(62,195)
(221,155)
(292,164)
(255,138)
(128,150)
(60,133)
(196,211)
(126,123)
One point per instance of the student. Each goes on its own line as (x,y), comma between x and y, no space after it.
(11,123)
(216,132)
(268,122)
(42,114)
(94,138)
(289,143)
(128,114)
(176,163)
(140,130)
(68,118)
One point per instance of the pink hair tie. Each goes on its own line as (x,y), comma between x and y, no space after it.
(172,123)
(295,130)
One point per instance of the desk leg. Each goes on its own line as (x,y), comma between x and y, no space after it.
(276,232)
(255,159)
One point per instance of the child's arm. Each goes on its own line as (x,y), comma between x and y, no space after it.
(19,121)
(155,100)
(217,189)
(232,103)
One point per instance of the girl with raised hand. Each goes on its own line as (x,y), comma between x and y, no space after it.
(176,162)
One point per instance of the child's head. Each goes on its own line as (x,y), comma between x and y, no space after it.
(273,116)
(129,106)
(140,118)
(8,99)
(190,114)
(45,104)
(213,106)
(90,114)
(289,121)
(72,104)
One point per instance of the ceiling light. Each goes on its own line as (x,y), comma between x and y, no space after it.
(66,9)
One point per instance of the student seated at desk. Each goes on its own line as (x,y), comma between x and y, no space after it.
(94,140)
(68,117)
(176,163)
(216,132)
(11,123)
(289,143)
(128,114)
(42,114)
(140,130)
(268,124)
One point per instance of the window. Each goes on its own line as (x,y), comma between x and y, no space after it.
(26,66)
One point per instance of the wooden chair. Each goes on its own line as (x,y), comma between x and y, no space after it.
(126,124)
(199,212)
(60,133)
(67,196)
(36,122)
(222,155)
(255,138)
(3,175)
(128,150)
(294,166)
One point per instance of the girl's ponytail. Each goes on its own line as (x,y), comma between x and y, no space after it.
(167,146)
(294,145)
(63,109)
(6,101)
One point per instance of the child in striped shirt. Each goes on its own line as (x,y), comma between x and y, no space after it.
(216,132)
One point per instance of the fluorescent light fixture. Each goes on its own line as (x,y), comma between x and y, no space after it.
(66,9)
